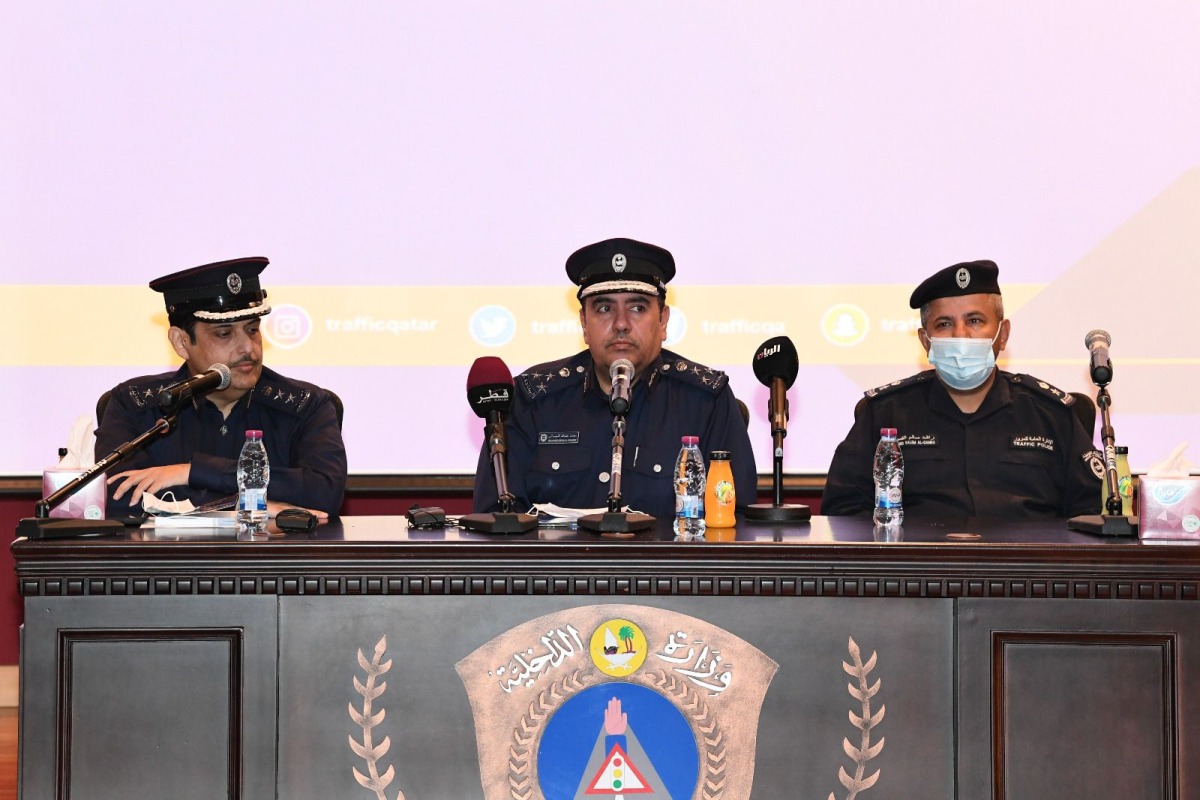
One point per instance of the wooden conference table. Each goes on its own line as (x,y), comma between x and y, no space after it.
(968,659)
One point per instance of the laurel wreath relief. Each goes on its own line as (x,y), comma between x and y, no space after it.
(367,719)
(865,722)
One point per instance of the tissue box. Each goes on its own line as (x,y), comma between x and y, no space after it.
(87,503)
(1169,508)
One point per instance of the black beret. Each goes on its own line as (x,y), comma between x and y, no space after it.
(621,265)
(226,291)
(969,277)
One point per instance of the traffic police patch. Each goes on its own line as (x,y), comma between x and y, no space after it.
(1040,442)
(1094,460)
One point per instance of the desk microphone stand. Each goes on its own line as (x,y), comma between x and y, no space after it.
(1113,522)
(505,520)
(615,520)
(41,526)
(778,511)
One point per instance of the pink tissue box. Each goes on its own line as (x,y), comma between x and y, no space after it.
(1169,508)
(87,503)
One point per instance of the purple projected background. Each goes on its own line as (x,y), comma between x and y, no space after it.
(803,155)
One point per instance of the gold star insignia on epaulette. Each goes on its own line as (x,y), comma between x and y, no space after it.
(541,387)
(706,380)
(149,392)
(291,398)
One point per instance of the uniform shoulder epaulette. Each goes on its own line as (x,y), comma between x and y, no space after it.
(912,380)
(144,391)
(675,367)
(1040,388)
(552,377)
(284,393)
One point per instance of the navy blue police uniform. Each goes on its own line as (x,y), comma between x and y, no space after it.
(300,432)
(299,421)
(560,436)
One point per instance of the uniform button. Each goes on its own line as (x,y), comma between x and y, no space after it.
(658,467)
(554,465)
(604,477)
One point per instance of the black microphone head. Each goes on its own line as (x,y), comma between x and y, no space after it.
(776,358)
(489,386)
(1097,336)
(224,372)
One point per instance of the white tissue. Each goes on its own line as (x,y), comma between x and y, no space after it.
(1174,466)
(81,445)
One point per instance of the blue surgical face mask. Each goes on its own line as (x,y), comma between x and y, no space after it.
(963,364)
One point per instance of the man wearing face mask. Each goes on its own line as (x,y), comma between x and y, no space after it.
(977,441)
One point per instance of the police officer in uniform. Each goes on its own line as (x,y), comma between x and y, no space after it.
(560,428)
(214,311)
(977,441)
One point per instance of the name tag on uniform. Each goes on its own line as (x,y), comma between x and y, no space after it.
(917,440)
(1033,442)
(558,437)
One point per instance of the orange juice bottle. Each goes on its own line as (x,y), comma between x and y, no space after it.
(720,499)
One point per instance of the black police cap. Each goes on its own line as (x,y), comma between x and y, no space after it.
(226,291)
(621,265)
(969,277)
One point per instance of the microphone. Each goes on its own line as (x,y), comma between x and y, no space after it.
(215,379)
(1098,342)
(621,374)
(490,392)
(776,365)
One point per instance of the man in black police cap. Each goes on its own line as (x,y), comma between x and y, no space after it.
(977,441)
(214,311)
(560,428)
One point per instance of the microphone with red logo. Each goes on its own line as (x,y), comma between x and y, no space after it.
(776,365)
(490,392)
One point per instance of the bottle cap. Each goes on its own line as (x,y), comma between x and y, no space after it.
(890,432)
(253,434)
(719,455)
(691,440)
(1122,450)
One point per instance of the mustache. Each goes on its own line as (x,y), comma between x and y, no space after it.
(243,360)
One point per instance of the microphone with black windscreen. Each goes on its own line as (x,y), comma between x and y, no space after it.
(776,365)
(1098,342)
(490,391)
(621,376)
(214,379)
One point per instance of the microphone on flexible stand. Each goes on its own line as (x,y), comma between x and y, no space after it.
(620,398)
(1112,522)
(214,379)
(490,391)
(776,365)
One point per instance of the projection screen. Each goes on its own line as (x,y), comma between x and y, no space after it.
(418,172)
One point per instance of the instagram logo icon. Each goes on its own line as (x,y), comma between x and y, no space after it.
(287,326)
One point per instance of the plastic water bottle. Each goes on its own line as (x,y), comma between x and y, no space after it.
(253,473)
(689,489)
(889,479)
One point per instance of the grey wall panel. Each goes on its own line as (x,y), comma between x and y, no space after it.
(1075,699)
(149,697)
